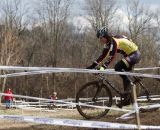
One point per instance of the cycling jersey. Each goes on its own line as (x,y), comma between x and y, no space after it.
(118,44)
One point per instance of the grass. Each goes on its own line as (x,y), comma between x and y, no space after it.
(70,114)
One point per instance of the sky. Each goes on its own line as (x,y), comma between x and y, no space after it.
(146,1)
(78,13)
(153,2)
(79,19)
(79,3)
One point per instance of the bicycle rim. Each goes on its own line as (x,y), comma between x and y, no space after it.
(86,96)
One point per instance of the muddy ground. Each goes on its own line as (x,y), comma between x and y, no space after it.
(147,118)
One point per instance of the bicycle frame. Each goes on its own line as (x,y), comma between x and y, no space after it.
(136,81)
(105,81)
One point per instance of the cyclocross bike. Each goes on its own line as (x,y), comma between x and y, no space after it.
(99,93)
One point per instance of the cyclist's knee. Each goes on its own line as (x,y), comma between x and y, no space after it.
(120,66)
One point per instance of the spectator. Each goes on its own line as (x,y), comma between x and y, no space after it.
(54,96)
(52,103)
(8,99)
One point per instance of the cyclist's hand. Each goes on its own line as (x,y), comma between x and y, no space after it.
(92,66)
(101,68)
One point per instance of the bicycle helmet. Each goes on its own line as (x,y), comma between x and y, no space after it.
(102,32)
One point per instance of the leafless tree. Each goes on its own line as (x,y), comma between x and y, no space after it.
(53,15)
(12,26)
(139,17)
(157,28)
(100,12)
(144,33)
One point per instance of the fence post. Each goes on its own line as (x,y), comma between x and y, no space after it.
(159,68)
(135,105)
(40,106)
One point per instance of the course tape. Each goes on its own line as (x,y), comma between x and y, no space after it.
(149,107)
(53,68)
(69,70)
(75,123)
(148,68)
(64,102)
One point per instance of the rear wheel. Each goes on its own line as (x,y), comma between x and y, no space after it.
(91,97)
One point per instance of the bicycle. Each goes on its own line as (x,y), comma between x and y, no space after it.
(99,93)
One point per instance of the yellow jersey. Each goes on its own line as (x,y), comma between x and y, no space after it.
(118,44)
(125,45)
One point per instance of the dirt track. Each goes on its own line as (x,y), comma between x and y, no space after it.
(147,118)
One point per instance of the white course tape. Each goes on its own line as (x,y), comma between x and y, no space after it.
(61,101)
(75,123)
(135,105)
(151,99)
(149,68)
(126,115)
(151,96)
(149,107)
(73,70)
(52,68)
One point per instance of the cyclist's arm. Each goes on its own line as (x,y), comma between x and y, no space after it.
(100,58)
(111,55)
(103,54)
(108,53)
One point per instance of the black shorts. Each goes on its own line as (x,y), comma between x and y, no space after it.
(133,58)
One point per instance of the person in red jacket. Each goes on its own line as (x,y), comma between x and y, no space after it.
(52,103)
(8,99)
(54,96)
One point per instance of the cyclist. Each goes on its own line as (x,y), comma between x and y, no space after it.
(112,46)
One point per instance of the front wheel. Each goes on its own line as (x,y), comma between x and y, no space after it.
(91,97)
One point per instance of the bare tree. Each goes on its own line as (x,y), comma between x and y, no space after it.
(157,34)
(100,12)
(144,33)
(139,17)
(141,29)
(13,25)
(157,28)
(53,15)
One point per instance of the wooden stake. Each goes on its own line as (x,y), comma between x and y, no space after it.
(135,104)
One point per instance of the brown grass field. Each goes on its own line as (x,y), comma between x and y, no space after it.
(147,118)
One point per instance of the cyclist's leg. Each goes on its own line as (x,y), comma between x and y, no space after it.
(127,64)
(126,96)
(121,66)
